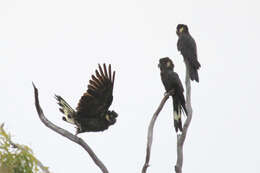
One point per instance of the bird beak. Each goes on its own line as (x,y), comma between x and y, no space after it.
(114,113)
(181,29)
(107,118)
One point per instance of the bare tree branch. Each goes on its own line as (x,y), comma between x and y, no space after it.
(181,138)
(150,131)
(67,134)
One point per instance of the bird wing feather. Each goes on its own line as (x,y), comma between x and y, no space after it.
(175,82)
(179,89)
(187,46)
(99,95)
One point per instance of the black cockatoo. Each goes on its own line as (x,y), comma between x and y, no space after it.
(92,114)
(171,81)
(187,46)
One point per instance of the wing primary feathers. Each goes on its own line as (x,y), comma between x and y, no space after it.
(96,80)
(105,69)
(91,87)
(99,77)
(114,73)
(93,83)
(109,71)
(101,72)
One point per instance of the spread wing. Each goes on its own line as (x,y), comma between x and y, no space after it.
(99,95)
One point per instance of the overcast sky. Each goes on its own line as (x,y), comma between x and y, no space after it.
(57,44)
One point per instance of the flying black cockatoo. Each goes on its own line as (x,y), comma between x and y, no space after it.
(171,81)
(92,114)
(187,46)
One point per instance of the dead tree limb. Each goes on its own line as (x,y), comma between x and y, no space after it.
(150,131)
(67,134)
(181,137)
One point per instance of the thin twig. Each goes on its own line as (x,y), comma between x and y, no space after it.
(181,138)
(67,134)
(150,131)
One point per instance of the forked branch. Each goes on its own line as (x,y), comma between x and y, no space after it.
(67,134)
(150,131)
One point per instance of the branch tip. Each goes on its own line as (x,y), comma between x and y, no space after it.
(66,134)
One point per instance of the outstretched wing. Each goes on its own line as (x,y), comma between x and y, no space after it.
(99,95)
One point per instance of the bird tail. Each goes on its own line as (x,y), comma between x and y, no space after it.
(194,74)
(178,109)
(177,117)
(66,109)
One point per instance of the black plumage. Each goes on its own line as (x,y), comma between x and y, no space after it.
(171,81)
(187,46)
(92,114)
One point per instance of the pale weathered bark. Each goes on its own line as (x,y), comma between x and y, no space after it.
(67,134)
(181,137)
(150,131)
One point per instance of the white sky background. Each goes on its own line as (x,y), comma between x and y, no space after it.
(58,44)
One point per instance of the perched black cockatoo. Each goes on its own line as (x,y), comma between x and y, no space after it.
(92,114)
(171,81)
(187,46)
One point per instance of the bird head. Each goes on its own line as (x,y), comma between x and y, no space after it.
(165,63)
(181,28)
(111,117)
